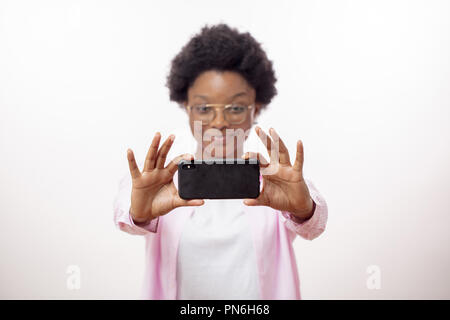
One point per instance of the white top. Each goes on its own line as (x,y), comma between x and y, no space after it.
(216,257)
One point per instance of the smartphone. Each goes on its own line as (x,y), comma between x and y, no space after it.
(218,179)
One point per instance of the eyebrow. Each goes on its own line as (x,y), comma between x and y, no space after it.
(234,96)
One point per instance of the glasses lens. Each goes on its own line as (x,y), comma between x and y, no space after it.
(203,113)
(236,113)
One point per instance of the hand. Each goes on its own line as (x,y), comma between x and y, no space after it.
(153,193)
(283,185)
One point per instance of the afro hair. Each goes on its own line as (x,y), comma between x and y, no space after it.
(222,48)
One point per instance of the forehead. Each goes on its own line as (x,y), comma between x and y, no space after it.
(220,85)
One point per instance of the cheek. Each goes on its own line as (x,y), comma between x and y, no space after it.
(246,127)
(196,135)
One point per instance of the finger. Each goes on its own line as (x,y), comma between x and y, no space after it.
(173,165)
(178,202)
(267,141)
(152,153)
(260,201)
(163,151)
(262,161)
(299,158)
(134,169)
(283,151)
(251,202)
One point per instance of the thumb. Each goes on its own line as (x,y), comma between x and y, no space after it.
(260,201)
(178,202)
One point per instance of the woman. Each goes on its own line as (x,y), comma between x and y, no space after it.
(221,249)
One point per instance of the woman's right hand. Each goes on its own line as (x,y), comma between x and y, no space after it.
(153,192)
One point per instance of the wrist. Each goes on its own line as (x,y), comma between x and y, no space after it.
(307,213)
(139,221)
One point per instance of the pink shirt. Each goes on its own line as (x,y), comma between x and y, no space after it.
(272,233)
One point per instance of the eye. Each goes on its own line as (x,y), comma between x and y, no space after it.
(202,108)
(237,108)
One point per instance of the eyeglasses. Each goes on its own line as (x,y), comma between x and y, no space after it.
(233,113)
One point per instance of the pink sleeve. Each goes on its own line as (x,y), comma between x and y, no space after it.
(122,217)
(314,226)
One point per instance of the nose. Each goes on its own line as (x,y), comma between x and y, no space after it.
(219,122)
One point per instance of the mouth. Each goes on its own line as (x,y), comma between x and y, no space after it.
(218,138)
(222,139)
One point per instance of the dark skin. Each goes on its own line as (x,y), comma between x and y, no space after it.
(154,193)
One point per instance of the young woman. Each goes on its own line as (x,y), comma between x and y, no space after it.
(220,249)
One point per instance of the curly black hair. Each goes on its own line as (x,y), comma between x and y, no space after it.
(222,48)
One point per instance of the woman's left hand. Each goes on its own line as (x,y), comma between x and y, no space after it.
(283,185)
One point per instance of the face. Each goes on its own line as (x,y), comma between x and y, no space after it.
(220,137)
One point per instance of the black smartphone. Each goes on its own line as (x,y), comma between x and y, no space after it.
(218,179)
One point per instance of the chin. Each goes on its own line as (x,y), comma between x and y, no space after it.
(221,155)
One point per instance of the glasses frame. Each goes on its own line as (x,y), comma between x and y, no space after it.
(220,105)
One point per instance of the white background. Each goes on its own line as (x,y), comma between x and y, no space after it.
(364,84)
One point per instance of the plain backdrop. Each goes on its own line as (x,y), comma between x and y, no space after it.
(364,84)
